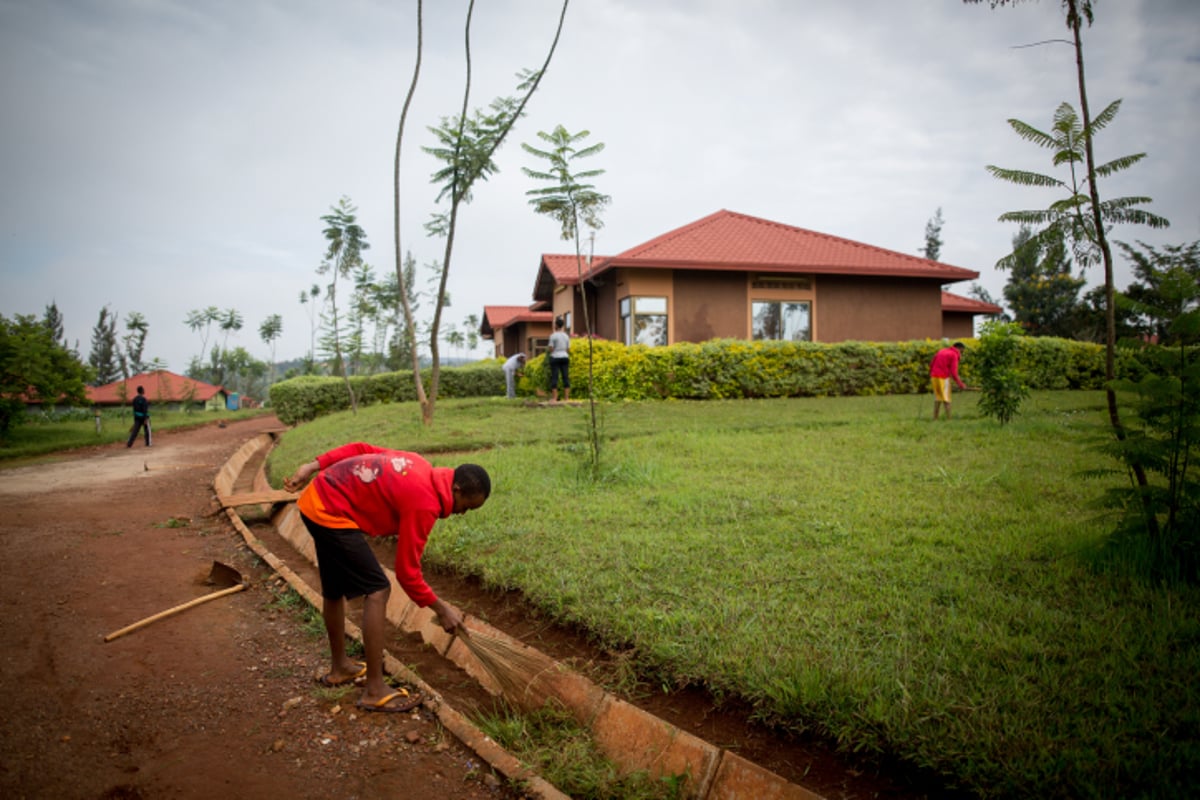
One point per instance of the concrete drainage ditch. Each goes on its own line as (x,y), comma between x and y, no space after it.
(630,737)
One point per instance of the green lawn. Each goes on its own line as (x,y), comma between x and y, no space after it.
(923,590)
(39,436)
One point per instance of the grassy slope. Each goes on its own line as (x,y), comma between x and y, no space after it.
(916,588)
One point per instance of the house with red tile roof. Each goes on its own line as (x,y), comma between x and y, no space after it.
(163,389)
(516,329)
(731,275)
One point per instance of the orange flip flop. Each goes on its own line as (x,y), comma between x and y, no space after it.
(330,683)
(410,701)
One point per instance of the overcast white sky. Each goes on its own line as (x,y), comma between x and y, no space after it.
(161,156)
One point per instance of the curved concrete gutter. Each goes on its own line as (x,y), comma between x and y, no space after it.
(630,737)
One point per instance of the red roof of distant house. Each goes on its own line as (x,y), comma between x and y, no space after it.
(730,241)
(502,316)
(954,302)
(161,387)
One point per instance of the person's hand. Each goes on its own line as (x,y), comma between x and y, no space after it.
(449,617)
(295,482)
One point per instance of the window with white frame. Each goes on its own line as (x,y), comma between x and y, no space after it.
(783,320)
(644,320)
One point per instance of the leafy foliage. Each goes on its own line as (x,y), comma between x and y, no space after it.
(35,366)
(104,358)
(1160,531)
(1041,290)
(1070,219)
(995,362)
(569,200)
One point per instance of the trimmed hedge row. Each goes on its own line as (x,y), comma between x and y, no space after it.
(735,368)
(717,369)
(308,397)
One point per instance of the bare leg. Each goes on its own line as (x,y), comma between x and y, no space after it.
(374,615)
(334,614)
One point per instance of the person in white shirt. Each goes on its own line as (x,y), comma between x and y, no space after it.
(512,370)
(559,359)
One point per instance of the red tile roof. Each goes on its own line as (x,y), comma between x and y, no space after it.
(954,302)
(495,317)
(730,241)
(161,387)
(566,268)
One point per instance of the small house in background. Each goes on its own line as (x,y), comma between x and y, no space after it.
(958,315)
(517,329)
(734,276)
(164,390)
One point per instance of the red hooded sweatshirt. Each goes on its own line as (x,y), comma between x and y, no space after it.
(384,493)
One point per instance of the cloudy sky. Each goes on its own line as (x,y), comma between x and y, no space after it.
(160,156)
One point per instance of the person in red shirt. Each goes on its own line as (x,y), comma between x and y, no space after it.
(943,368)
(362,490)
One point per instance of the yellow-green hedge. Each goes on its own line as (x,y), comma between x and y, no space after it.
(731,368)
(717,369)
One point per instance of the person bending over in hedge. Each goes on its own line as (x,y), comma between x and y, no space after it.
(362,490)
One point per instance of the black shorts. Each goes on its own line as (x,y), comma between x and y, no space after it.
(346,562)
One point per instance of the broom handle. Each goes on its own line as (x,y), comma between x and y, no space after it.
(171,611)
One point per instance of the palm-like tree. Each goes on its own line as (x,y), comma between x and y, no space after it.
(269,331)
(347,241)
(570,201)
(1071,219)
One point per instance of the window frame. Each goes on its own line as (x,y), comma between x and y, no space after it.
(629,315)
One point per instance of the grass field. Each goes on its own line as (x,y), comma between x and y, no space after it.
(923,590)
(41,435)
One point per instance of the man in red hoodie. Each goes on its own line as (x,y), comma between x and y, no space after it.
(943,368)
(362,490)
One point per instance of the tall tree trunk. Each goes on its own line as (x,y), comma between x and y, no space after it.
(1110,322)
(411,331)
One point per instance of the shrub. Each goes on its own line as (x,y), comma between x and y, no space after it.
(718,369)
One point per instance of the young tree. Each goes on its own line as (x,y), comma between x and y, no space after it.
(53,320)
(404,341)
(1160,295)
(467,161)
(202,320)
(570,201)
(995,362)
(134,341)
(347,241)
(104,358)
(1084,215)
(933,236)
(309,301)
(1164,437)
(471,332)
(269,331)
(33,364)
(230,320)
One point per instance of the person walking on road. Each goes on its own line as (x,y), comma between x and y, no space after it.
(141,417)
(361,490)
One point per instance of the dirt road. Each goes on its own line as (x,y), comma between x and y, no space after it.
(218,701)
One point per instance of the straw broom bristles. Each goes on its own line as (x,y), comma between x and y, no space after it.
(514,667)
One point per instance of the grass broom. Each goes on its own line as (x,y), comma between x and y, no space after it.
(515,667)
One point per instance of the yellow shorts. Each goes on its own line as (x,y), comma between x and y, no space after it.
(941,389)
